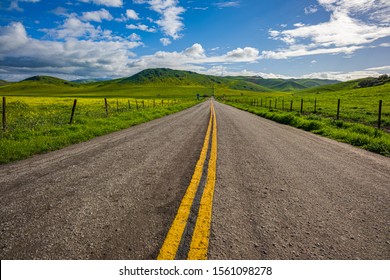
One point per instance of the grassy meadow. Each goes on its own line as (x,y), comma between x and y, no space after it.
(41,124)
(358,118)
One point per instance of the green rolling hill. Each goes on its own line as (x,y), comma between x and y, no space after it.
(160,82)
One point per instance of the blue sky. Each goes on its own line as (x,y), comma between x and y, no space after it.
(334,39)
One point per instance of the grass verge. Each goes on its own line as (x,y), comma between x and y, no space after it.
(39,125)
(358,135)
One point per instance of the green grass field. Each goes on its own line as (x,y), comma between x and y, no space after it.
(41,124)
(359,105)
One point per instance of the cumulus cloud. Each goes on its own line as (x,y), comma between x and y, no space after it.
(14,4)
(345,32)
(73,27)
(97,16)
(131,14)
(101,55)
(12,38)
(141,27)
(193,57)
(196,51)
(165,41)
(135,37)
(246,54)
(342,76)
(20,54)
(170,20)
(108,3)
(311,9)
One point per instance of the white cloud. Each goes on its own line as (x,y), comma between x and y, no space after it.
(227,4)
(196,51)
(12,37)
(380,68)
(301,50)
(311,9)
(14,4)
(299,24)
(246,54)
(131,14)
(97,16)
(345,32)
(74,28)
(165,41)
(192,57)
(341,76)
(141,27)
(22,55)
(108,3)
(60,11)
(135,37)
(170,21)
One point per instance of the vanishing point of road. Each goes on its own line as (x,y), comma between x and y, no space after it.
(210,182)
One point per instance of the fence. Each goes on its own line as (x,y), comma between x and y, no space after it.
(20,112)
(359,110)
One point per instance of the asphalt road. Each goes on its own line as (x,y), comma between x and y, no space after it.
(280,193)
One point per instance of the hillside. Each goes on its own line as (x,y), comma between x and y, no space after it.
(169,77)
(348,85)
(2,83)
(48,80)
(161,81)
(288,84)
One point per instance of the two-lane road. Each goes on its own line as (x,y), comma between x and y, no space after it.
(280,193)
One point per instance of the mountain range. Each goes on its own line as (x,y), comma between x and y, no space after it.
(162,77)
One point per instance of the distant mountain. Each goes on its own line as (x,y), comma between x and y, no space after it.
(289,84)
(48,80)
(3,83)
(88,81)
(169,77)
(164,78)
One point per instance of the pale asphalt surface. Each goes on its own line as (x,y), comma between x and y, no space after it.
(281,193)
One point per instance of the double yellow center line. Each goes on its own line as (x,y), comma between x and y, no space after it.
(200,237)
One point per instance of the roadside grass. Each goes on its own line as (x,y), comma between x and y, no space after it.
(356,104)
(356,134)
(39,124)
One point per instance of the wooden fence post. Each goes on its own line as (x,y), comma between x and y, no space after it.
(283,104)
(117,105)
(291,105)
(143,104)
(315,105)
(4,115)
(136,104)
(276,102)
(338,109)
(73,109)
(106,106)
(270,104)
(301,105)
(128,102)
(380,114)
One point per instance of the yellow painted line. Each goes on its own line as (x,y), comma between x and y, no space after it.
(172,240)
(200,238)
